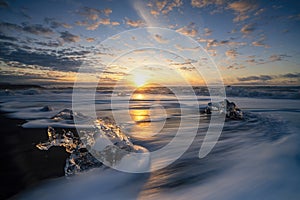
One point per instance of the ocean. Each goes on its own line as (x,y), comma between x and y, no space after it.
(255,157)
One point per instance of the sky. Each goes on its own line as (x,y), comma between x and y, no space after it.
(249,42)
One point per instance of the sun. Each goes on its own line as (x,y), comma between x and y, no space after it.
(140,80)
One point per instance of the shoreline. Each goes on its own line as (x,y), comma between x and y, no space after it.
(22,164)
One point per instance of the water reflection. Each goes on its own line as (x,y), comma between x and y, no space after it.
(141,116)
(147,115)
(138,96)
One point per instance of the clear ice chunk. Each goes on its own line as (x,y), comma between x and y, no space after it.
(80,158)
(224,107)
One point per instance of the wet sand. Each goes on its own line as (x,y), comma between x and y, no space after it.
(22,164)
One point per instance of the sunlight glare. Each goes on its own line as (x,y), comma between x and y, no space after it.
(140,80)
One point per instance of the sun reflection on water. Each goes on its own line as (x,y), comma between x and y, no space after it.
(140,115)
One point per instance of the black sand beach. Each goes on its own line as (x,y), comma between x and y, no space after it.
(22,164)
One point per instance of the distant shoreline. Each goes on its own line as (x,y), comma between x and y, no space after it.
(10,86)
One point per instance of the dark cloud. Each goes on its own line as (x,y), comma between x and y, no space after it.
(256,78)
(3,4)
(4,37)
(34,57)
(277,57)
(185,68)
(49,44)
(6,26)
(160,39)
(55,24)
(291,75)
(24,78)
(264,78)
(37,29)
(69,37)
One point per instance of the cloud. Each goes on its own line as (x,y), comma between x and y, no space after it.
(248,28)
(49,44)
(38,53)
(256,78)
(133,23)
(232,53)
(204,3)
(115,23)
(37,29)
(107,11)
(93,26)
(239,18)
(185,68)
(161,4)
(242,6)
(55,24)
(294,17)
(143,12)
(68,37)
(272,58)
(186,62)
(3,4)
(5,26)
(4,37)
(264,78)
(90,39)
(90,13)
(154,12)
(41,58)
(95,17)
(212,52)
(277,57)
(189,30)
(260,43)
(160,39)
(252,61)
(93,14)
(181,48)
(260,11)
(291,75)
(241,9)
(215,43)
(164,6)
(82,23)
(207,32)
(235,66)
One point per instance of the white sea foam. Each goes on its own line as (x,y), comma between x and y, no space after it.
(265,171)
(94,184)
